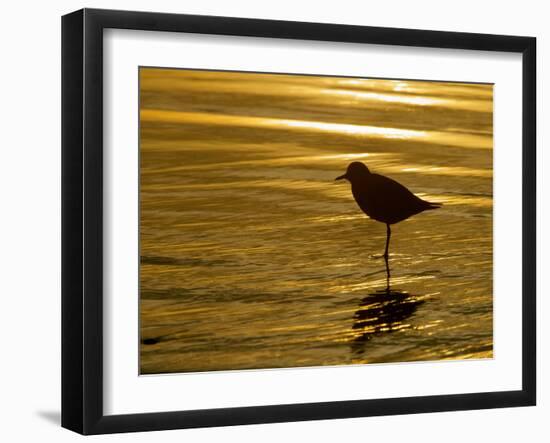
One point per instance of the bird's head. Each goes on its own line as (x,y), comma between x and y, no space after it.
(355,171)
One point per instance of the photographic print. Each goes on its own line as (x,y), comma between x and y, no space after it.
(298,220)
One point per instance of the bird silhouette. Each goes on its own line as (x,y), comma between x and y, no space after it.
(383,199)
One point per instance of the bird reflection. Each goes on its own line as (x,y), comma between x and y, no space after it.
(380,312)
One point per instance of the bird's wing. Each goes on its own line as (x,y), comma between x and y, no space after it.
(399,201)
(389,189)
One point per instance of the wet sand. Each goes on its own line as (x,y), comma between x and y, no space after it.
(253,257)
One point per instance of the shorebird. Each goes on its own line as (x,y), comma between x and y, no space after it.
(383,199)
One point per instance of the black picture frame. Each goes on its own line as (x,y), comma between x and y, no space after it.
(82,219)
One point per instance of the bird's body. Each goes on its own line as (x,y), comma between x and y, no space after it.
(383,199)
(386,200)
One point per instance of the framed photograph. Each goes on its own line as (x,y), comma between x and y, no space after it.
(269,221)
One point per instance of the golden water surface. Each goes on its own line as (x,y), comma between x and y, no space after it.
(252,256)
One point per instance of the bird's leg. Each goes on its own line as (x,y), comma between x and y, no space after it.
(388,235)
(386,257)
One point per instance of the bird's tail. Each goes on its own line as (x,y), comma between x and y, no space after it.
(431,205)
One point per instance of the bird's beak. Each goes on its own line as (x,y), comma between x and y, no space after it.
(341,177)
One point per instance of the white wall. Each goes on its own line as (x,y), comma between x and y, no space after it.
(30,218)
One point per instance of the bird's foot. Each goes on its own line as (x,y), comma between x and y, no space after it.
(377,256)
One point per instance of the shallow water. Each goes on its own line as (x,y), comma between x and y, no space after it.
(252,256)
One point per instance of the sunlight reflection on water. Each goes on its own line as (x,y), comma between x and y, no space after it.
(253,257)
